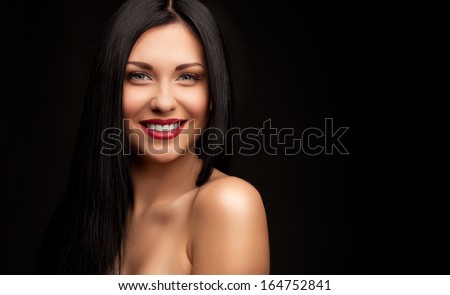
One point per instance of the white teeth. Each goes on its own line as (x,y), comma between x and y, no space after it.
(158,127)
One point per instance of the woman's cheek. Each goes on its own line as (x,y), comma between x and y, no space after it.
(133,101)
(199,106)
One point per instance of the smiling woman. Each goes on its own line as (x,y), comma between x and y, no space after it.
(166,77)
(168,207)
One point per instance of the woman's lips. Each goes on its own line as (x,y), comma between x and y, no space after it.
(163,129)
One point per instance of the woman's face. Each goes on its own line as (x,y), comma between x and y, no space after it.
(165,96)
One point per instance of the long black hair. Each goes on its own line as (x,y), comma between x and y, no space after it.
(86,233)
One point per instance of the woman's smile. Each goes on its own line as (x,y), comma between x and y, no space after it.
(163,129)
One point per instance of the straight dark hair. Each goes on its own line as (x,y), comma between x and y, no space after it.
(87,231)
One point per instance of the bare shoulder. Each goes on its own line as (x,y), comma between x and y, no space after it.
(228,193)
(229,233)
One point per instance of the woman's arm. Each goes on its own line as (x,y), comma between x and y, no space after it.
(229,233)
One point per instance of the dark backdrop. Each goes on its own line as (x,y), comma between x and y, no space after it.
(295,65)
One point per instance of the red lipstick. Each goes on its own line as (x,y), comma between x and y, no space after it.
(163,129)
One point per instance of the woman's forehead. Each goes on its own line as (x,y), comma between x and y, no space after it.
(170,42)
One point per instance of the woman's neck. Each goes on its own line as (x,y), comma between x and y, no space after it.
(156,183)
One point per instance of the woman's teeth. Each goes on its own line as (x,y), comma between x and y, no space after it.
(158,127)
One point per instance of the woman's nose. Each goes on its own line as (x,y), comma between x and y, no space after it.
(163,101)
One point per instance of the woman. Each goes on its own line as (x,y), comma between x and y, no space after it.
(156,203)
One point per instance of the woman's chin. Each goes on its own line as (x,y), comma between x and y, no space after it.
(163,156)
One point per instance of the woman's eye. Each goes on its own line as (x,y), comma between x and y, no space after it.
(189,76)
(138,76)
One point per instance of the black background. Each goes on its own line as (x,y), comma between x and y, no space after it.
(364,213)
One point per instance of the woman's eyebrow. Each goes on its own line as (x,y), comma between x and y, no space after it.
(141,65)
(183,66)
